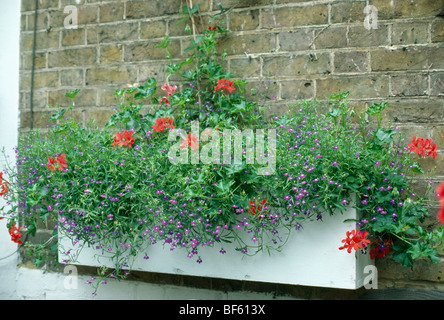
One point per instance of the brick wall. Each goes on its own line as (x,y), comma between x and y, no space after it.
(306,49)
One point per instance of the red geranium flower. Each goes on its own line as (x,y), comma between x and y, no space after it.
(440,215)
(61,161)
(421,146)
(191,141)
(4,189)
(257,209)
(225,84)
(162,124)
(123,139)
(3,185)
(355,240)
(15,234)
(440,195)
(380,249)
(51,164)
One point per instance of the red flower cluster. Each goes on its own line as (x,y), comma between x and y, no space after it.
(421,146)
(15,234)
(380,249)
(191,141)
(225,84)
(259,210)
(440,195)
(60,160)
(162,124)
(210,28)
(3,185)
(124,138)
(355,240)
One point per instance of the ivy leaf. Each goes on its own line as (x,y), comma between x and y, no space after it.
(402,256)
(147,90)
(383,223)
(239,107)
(113,120)
(189,74)
(173,68)
(420,249)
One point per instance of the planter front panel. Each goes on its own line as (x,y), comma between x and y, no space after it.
(311,258)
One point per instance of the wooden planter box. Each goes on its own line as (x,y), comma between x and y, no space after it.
(310,258)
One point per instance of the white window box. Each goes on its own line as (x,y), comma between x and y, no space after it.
(311,257)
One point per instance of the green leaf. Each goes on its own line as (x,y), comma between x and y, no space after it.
(198,39)
(222,11)
(186,61)
(32,227)
(113,120)
(147,90)
(189,74)
(173,68)
(61,129)
(416,168)
(376,108)
(335,112)
(164,43)
(224,186)
(72,94)
(44,214)
(119,92)
(57,115)
(402,256)
(239,107)
(421,249)
(340,96)
(384,136)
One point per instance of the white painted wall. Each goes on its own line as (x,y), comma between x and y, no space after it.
(37,285)
(9,99)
